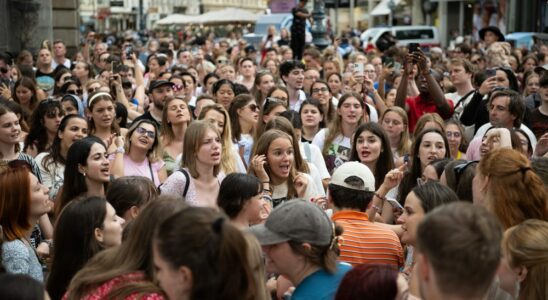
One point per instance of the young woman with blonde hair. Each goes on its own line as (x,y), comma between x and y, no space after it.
(218,116)
(176,117)
(264,81)
(525,260)
(273,162)
(429,120)
(142,152)
(200,176)
(394,121)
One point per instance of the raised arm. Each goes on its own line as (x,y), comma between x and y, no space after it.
(401,93)
(434,88)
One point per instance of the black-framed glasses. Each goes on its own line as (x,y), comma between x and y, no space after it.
(151,134)
(320,90)
(459,169)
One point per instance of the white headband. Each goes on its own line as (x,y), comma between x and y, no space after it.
(98,95)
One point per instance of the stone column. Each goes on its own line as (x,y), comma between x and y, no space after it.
(66,24)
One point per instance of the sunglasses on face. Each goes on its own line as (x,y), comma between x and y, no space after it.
(4,70)
(91,90)
(53,114)
(178,87)
(151,134)
(253,107)
(73,92)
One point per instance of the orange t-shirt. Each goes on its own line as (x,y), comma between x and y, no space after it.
(367,242)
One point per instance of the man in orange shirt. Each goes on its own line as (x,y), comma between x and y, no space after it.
(351,190)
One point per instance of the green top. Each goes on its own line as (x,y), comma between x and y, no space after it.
(170,164)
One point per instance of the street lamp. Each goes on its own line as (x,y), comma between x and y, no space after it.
(318,28)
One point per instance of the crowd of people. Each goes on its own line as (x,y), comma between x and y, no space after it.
(209,169)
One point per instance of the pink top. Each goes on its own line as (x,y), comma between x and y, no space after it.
(132,168)
(103,290)
(175,185)
(473,151)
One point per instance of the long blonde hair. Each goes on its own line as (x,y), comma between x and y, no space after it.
(525,246)
(192,143)
(228,163)
(261,148)
(166,130)
(404,145)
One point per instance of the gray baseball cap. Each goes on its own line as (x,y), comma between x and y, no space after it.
(295,220)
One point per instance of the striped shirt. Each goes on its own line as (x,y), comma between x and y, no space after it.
(364,242)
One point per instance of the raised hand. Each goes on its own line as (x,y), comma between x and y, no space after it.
(258,163)
(301,183)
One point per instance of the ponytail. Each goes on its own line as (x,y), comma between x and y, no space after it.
(323,256)
(213,250)
(234,267)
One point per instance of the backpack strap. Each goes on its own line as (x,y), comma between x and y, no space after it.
(464,98)
(187,182)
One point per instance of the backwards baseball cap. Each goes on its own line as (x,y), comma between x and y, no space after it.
(342,177)
(159,83)
(296,220)
(250,49)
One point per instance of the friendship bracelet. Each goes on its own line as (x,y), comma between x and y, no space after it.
(380,197)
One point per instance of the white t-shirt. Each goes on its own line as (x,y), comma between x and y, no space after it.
(53,177)
(316,158)
(338,152)
(459,107)
(246,142)
(296,106)
(315,175)
(279,192)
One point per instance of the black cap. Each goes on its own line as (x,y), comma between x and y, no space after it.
(250,49)
(157,84)
(494,30)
